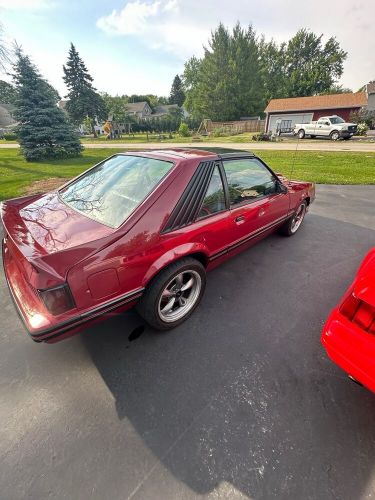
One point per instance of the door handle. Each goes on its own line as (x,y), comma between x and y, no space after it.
(239,219)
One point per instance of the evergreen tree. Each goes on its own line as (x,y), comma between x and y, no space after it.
(83,100)
(227,82)
(177,95)
(8,93)
(43,129)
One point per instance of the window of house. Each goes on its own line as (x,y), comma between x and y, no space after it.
(214,200)
(248,179)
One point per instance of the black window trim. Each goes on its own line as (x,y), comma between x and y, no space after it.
(247,157)
(224,183)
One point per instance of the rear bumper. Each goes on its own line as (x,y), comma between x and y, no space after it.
(40,325)
(350,348)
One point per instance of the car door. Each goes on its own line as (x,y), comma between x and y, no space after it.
(322,127)
(255,201)
(211,225)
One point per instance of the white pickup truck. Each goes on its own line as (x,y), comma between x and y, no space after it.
(333,127)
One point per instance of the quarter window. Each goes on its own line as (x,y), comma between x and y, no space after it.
(248,180)
(214,200)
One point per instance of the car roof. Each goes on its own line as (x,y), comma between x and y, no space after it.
(190,153)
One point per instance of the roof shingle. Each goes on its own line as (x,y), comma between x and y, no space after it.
(331,101)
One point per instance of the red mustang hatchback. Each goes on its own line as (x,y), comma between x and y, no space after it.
(139,228)
(349,333)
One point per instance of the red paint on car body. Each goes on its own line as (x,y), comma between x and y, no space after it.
(48,244)
(349,333)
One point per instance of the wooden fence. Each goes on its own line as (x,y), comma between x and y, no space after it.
(232,128)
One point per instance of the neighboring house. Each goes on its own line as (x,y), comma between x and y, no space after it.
(370,91)
(140,110)
(164,109)
(6,118)
(305,109)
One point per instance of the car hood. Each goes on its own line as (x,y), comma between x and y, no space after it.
(347,124)
(44,224)
(364,285)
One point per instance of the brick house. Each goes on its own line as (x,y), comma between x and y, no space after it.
(306,109)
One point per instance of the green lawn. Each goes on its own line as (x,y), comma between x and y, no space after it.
(321,167)
(153,138)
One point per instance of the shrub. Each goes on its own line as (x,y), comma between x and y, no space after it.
(219,132)
(183,130)
(261,137)
(362,128)
(10,136)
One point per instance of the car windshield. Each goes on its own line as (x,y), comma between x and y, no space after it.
(336,119)
(109,192)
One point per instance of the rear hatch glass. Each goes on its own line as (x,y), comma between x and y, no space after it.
(110,191)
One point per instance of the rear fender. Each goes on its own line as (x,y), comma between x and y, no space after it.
(171,256)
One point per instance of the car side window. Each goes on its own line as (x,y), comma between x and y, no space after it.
(248,179)
(214,200)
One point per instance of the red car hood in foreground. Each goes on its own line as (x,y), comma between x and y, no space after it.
(349,333)
(364,285)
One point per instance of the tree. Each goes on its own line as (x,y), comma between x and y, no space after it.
(227,82)
(312,68)
(116,108)
(337,89)
(8,93)
(177,95)
(272,63)
(83,100)
(43,129)
(4,52)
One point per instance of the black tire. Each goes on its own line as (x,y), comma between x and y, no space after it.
(301,133)
(334,135)
(288,228)
(149,304)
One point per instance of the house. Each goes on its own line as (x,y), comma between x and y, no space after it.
(140,110)
(305,109)
(6,118)
(164,109)
(370,91)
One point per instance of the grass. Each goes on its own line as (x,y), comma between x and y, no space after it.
(142,139)
(321,167)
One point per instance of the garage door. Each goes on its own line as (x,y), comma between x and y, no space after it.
(295,118)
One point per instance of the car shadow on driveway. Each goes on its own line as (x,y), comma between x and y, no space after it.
(243,392)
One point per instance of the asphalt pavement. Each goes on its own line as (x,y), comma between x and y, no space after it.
(238,402)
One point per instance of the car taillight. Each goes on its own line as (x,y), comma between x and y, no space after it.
(58,299)
(359,312)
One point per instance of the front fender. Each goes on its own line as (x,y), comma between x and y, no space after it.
(172,255)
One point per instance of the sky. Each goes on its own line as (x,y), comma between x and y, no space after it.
(138,46)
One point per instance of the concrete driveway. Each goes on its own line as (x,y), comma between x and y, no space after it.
(239,402)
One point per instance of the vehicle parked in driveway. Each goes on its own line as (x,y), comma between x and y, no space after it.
(139,228)
(333,127)
(349,333)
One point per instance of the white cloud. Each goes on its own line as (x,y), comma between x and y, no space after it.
(159,25)
(131,20)
(183,26)
(24,4)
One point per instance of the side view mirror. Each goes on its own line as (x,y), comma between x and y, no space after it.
(281,188)
(327,123)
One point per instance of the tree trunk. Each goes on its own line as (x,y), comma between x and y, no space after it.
(93,130)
